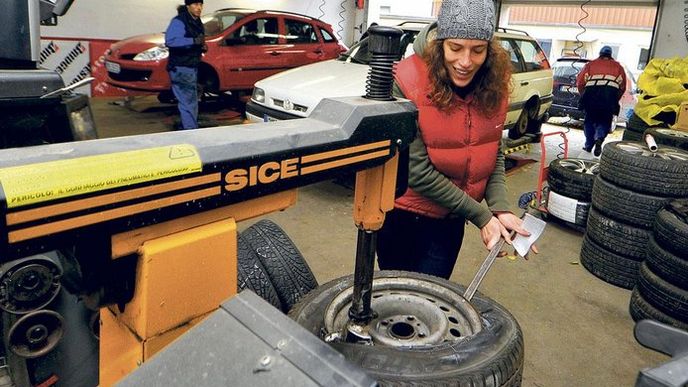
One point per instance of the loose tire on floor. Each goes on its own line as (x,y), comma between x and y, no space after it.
(619,237)
(491,355)
(625,205)
(608,266)
(641,309)
(252,274)
(632,165)
(573,177)
(669,137)
(287,269)
(667,265)
(666,297)
(671,228)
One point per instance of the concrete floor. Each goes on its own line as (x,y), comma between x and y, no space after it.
(577,328)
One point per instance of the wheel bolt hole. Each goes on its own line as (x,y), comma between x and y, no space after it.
(431,300)
(444,308)
(384,323)
(455,332)
(453,320)
(410,318)
(402,330)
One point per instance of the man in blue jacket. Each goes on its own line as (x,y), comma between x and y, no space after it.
(185,38)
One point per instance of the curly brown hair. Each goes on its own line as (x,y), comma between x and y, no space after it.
(493,79)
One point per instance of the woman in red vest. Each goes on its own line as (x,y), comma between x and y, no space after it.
(459,81)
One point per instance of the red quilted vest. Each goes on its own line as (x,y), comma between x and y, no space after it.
(461,144)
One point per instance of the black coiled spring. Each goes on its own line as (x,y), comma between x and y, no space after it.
(384,47)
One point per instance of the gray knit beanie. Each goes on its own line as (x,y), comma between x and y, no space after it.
(466,19)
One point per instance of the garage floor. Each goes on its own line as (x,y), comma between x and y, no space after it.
(577,328)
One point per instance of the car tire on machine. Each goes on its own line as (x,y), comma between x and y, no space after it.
(252,274)
(607,265)
(669,137)
(671,228)
(287,269)
(641,309)
(625,205)
(632,165)
(572,178)
(493,355)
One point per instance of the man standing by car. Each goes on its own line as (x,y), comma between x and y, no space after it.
(601,84)
(185,39)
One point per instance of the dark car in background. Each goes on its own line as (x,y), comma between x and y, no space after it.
(566,94)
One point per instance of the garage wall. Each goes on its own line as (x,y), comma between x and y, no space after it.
(115,20)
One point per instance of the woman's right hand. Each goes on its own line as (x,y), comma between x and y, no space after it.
(492,231)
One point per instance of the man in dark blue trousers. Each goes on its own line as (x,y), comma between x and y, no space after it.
(185,38)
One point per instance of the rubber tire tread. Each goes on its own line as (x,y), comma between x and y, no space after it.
(252,274)
(668,298)
(631,171)
(671,233)
(287,269)
(569,183)
(667,265)
(667,140)
(641,309)
(630,135)
(609,267)
(582,211)
(616,236)
(503,369)
(625,205)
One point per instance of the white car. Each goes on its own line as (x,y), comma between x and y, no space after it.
(296,92)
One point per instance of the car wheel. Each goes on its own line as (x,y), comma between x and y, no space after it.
(284,264)
(608,266)
(625,205)
(425,333)
(573,177)
(252,274)
(671,228)
(520,128)
(641,309)
(668,298)
(616,236)
(669,137)
(632,165)
(669,266)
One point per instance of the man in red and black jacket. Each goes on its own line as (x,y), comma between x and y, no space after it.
(601,83)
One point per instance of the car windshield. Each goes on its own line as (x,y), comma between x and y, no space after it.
(217,22)
(566,69)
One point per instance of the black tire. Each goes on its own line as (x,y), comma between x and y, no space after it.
(572,178)
(669,299)
(633,166)
(641,309)
(669,137)
(671,228)
(608,266)
(520,128)
(625,205)
(491,357)
(580,218)
(619,237)
(287,269)
(636,124)
(629,135)
(252,274)
(667,265)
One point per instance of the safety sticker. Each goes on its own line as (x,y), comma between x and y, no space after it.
(42,182)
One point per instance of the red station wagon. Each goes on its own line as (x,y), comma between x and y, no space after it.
(244,46)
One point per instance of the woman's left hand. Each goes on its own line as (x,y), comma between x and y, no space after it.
(513,223)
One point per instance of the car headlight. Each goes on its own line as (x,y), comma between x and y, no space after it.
(258,94)
(153,53)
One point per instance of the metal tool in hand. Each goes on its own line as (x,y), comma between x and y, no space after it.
(473,286)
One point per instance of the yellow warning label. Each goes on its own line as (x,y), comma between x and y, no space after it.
(42,182)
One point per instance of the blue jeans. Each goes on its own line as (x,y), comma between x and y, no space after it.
(413,242)
(596,127)
(184,89)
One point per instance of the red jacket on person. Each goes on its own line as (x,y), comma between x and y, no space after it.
(461,144)
(601,84)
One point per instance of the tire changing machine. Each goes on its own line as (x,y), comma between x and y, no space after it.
(147,224)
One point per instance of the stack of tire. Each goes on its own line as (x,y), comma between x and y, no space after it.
(570,181)
(635,127)
(271,265)
(669,137)
(632,185)
(662,290)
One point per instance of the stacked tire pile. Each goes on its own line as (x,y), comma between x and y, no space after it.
(570,183)
(669,137)
(633,184)
(270,265)
(662,290)
(635,127)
